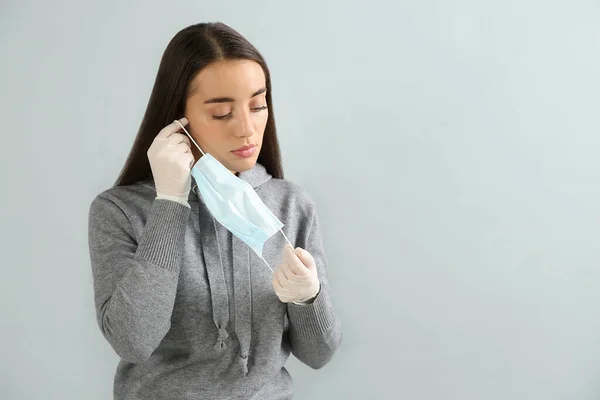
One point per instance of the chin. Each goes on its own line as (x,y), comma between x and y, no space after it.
(243,165)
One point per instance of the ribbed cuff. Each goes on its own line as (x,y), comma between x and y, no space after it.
(312,319)
(178,199)
(162,241)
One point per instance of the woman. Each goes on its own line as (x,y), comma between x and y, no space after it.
(191,311)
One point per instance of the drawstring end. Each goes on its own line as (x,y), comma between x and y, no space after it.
(220,345)
(244,361)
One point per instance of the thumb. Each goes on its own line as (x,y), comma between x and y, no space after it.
(306,258)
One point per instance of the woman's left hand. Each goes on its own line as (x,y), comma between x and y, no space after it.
(295,279)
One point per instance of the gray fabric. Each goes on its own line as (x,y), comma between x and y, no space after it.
(190,309)
(216,276)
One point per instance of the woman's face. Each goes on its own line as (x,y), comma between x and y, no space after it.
(227,112)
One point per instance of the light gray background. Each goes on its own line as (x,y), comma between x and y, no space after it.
(451,147)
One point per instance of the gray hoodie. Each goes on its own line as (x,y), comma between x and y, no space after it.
(190,308)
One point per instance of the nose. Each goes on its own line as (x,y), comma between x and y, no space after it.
(245,127)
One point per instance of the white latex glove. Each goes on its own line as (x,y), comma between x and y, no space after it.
(295,279)
(171,160)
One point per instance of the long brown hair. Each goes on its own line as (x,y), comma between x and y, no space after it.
(191,50)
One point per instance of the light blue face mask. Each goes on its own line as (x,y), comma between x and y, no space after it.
(234,203)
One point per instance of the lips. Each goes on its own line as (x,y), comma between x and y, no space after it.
(248,147)
(246,151)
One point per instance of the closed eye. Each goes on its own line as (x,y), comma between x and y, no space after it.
(221,117)
(228,115)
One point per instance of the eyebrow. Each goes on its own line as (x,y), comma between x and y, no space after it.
(230,99)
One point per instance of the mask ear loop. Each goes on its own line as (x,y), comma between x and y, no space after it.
(290,243)
(267,264)
(288,240)
(193,141)
(190,136)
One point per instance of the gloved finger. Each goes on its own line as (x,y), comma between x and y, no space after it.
(285,295)
(276,283)
(177,138)
(157,144)
(290,285)
(172,128)
(294,263)
(295,287)
(301,279)
(281,278)
(181,148)
(187,160)
(292,276)
(187,141)
(306,258)
(286,270)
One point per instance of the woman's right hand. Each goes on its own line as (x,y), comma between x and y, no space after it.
(171,160)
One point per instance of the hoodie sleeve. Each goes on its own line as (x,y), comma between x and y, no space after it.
(315,331)
(135,281)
